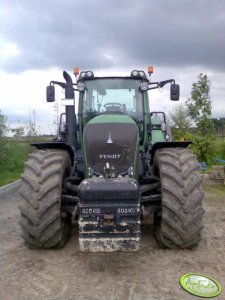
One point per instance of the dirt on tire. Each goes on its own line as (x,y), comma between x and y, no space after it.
(40,192)
(67,273)
(179,224)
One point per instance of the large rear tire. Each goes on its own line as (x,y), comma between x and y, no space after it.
(41,217)
(179,223)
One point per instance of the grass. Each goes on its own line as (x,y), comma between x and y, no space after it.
(12,167)
(220,148)
(17,152)
(214,189)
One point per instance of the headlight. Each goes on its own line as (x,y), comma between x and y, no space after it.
(80,86)
(144,86)
(167,137)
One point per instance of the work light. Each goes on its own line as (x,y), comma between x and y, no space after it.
(134,73)
(141,74)
(83,74)
(90,74)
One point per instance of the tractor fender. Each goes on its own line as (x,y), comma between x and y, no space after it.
(57,145)
(160,145)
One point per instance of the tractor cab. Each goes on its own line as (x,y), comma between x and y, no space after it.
(113,96)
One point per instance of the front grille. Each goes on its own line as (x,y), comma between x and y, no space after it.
(114,143)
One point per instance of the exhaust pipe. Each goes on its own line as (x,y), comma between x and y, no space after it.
(71,127)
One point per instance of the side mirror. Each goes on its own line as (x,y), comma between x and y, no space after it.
(174,92)
(50,93)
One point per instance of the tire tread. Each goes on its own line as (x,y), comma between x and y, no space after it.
(41,222)
(180,223)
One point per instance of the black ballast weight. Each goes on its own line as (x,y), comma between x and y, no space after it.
(109,212)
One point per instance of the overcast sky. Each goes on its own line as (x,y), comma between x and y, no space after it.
(39,39)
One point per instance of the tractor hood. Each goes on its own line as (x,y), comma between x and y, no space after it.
(110,143)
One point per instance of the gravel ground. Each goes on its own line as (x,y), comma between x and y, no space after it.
(151,273)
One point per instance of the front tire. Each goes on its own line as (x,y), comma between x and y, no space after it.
(179,223)
(41,188)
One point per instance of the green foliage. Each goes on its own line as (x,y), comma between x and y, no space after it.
(18,132)
(178,134)
(31,127)
(179,122)
(219,125)
(3,130)
(203,146)
(220,148)
(206,127)
(199,106)
(3,127)
(14,151)
(12,168)
(17,152)
(179,118)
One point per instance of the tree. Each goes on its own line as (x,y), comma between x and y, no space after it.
(179,118)
(179,122)
(56,117)
(3,130)
(31,127)
(219,125)
(18,132)
(199,106)
(202,145)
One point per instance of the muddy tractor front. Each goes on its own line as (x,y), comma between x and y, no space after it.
(112,163)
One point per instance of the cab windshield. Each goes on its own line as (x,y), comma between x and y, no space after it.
(113,95)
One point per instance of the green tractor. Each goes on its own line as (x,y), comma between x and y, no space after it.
(112,165)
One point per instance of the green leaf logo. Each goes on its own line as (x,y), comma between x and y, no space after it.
(200,285)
